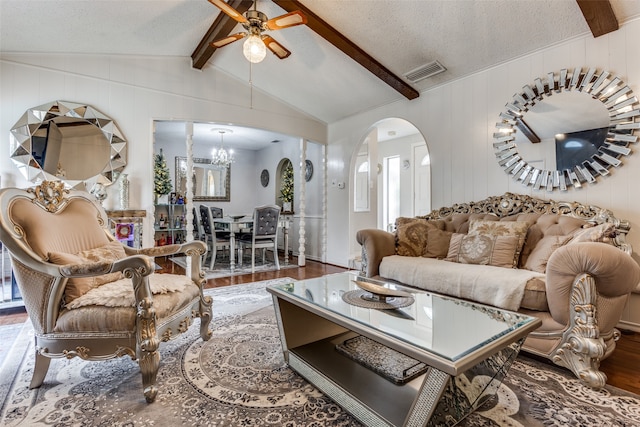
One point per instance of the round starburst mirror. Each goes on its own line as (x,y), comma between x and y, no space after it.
(566,129)
(69,142)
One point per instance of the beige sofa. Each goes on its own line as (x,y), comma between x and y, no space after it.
(565,263)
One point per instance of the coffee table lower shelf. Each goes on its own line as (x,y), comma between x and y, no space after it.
(367,395)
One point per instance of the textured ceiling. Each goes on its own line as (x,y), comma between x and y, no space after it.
(464,35)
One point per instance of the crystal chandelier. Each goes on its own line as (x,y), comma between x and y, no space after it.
(222,157)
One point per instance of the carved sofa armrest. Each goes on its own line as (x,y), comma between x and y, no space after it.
(376,244)
(588,285)
(616,274)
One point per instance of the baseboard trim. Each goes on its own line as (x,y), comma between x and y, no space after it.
(623,324)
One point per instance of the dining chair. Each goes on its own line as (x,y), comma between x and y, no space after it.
(264,234)
(217,238)
(198,231)
(221,232)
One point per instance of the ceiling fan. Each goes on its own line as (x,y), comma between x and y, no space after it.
(255,23)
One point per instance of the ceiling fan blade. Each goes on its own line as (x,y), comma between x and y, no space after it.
(227,40)
(275,47)
(287,20)
(223,6)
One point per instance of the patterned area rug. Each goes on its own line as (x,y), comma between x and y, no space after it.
(222,267)
(239,378)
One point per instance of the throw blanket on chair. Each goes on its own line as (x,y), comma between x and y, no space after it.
(497,286)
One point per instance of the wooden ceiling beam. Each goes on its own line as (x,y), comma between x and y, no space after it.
(599,16)
(221,27)
(334,37)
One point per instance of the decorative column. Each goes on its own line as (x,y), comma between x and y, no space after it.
(188,196)
(303,185)
(323,170)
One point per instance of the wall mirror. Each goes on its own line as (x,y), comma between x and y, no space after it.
(566,129)
(210,182)
(70,142)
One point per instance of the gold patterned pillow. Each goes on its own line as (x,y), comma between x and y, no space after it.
(411,235)
(483,249)
(79,286)
(502,228)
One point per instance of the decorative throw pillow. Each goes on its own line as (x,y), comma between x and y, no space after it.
(411,235)
(600,233)
(437,243)
(483,249)
(502,228)
(539,256)
(79,286)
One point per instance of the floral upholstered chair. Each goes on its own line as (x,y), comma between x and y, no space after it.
(87,294)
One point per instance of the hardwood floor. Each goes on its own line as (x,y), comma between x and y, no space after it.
(622,367)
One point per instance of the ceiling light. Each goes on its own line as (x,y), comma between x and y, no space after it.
(222,157)
(254,49)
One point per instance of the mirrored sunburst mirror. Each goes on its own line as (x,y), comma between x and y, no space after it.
(566,129)
(70,142)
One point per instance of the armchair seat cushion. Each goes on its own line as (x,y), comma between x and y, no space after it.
(118,312)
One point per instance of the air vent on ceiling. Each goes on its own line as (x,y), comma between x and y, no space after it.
(427,70)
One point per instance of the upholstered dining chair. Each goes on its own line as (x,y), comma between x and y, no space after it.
(221,232)
(263,236)
(198,230)
(87,294)
(215,238)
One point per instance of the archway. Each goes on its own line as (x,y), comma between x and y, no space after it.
(390,177)
(285,186)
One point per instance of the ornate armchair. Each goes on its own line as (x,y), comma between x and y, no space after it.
(88,295)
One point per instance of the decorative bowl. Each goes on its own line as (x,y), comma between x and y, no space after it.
(381,290)
(236,217)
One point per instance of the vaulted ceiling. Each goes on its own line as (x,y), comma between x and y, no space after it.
(350,57)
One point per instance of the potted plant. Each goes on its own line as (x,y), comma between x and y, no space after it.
(286,190)
(161,179)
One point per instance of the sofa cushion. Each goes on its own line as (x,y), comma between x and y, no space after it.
(79,286)
(539,256)
(500,228)
(437,243)
(483,249)
(486,284)
(411,235)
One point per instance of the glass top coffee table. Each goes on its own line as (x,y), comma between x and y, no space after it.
(393,355)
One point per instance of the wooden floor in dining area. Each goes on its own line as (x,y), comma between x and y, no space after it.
(622,367)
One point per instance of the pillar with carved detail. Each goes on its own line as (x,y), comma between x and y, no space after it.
(189,186)
(323,169)
(301,194)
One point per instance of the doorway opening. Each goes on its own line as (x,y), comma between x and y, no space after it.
(391,178)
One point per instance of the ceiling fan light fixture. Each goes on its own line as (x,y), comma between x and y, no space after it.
(254,49)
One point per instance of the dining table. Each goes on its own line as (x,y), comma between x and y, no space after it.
(244,224)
